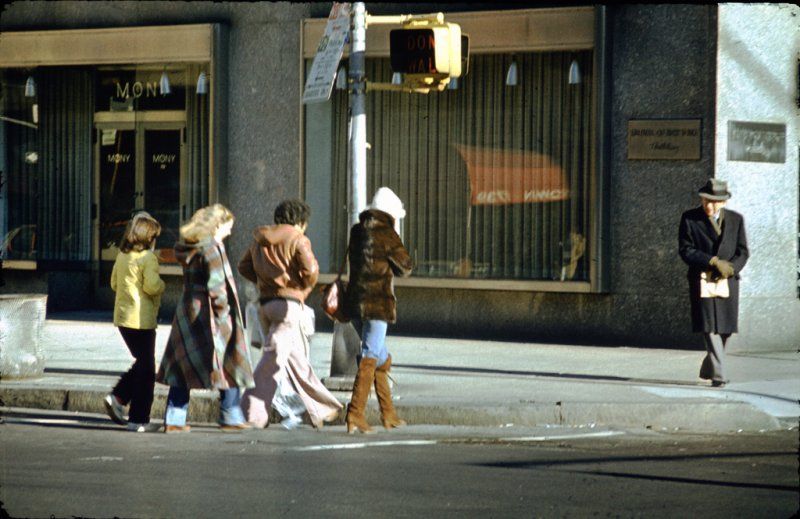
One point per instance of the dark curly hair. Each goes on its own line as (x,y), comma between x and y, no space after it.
(292,212)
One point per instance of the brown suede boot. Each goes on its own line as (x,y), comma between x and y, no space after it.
(358,401)
(388,415)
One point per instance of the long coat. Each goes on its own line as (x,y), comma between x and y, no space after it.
(376,255)
(206,347)
(698,242)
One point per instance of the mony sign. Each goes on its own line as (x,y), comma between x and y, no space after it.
(664,139)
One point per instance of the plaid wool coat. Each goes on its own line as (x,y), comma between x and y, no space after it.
(206,347)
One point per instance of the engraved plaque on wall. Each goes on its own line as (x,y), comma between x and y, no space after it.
(664,139)
(756,142)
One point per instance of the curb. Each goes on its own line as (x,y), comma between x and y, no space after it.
(669,416)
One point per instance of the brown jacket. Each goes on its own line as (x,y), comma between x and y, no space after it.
(281,263)
(376,255)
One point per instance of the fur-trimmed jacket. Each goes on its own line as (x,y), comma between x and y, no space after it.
(376,255)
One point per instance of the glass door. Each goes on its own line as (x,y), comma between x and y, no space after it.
(140,166)
(162,185)
(116,189)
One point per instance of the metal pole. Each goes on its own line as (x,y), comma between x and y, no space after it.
(358,141)
(346,342)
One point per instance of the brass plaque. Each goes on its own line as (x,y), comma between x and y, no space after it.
(670,139)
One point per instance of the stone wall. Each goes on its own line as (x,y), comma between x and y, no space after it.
(757,67)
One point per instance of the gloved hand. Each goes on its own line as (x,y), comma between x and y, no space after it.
(725,268)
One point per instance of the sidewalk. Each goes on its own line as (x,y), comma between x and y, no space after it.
(470,383)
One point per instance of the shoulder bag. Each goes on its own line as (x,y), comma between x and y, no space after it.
(333,295)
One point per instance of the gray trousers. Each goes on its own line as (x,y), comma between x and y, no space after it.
(713,364)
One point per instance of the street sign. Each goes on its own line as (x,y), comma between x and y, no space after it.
(319,83)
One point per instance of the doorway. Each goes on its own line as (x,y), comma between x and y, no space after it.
(140,164)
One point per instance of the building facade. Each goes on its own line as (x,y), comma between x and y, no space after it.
(543,191)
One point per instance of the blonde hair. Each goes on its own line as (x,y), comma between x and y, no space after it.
(140,233)
(204,223)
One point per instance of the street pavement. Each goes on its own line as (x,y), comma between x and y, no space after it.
(468,382)
(65,464)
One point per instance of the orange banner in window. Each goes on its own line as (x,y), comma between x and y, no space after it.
(500,177)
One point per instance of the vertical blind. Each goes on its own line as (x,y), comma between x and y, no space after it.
(197,138)
(495,178)
(66,107)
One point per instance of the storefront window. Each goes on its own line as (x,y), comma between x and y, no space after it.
(19,168)
(495,178)
(90,147)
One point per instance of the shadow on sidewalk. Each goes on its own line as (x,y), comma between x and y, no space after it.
(584,377)
(88,372)
(544,374)
(59,420)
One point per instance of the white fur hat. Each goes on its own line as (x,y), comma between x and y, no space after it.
(387,201)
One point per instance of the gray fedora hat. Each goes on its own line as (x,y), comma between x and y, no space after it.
(715,190)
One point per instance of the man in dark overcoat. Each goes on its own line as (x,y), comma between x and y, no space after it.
(711,239)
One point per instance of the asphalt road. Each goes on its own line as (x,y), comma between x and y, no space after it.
(63,465)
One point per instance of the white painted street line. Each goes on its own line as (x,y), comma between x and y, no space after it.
(361,445)
(564,437)
(101,458)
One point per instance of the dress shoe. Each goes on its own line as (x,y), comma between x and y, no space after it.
(175,429)
(114,409)
(718,383)
(235,428)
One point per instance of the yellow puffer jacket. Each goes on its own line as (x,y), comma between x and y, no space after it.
(138,286)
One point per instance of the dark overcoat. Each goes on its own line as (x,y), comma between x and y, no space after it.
(206,347)
(376,255)
(698,242)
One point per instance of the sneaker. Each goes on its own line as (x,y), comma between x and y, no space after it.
(291,422)
(143,427)
(115,410)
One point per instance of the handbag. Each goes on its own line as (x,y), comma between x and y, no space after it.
(710,288)
(333,296)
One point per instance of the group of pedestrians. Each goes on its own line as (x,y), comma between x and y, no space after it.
(206,348)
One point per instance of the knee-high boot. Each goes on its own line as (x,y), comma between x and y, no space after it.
(358,401)
(389,417)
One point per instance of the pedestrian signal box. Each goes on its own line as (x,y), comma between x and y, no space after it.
(434,51)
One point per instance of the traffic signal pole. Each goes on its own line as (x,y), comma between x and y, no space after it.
(346,342)
(358,114)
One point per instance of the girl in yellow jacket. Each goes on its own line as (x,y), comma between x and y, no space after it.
(138,286)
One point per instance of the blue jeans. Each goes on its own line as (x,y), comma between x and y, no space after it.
(373,339)
(178,405)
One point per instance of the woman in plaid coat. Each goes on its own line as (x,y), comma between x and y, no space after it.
(206,347)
